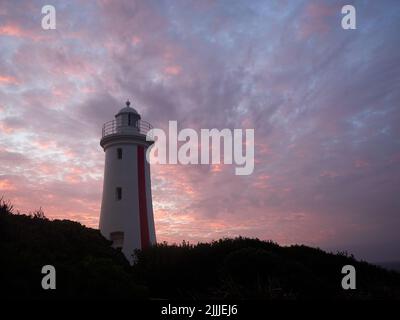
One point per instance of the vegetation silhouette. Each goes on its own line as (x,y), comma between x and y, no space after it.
(88,267)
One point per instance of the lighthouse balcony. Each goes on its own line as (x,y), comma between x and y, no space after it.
(115,127)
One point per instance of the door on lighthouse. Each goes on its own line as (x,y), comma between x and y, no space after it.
(117,239)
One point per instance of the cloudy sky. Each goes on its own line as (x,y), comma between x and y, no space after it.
(324,103)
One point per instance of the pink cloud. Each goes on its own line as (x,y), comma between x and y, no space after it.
(11,30)
(45,145)
(4,79)
(317,19)
(14,30)
(360,163)
(136,40)
(261,182)
(5,128)
(7,185)
(173,70)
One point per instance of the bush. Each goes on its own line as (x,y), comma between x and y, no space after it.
(241,268)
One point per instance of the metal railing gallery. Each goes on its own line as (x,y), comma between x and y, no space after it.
(116,127)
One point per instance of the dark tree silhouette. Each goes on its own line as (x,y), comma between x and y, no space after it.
(241,268)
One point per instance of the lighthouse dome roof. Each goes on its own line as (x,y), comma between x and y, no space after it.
(127,109)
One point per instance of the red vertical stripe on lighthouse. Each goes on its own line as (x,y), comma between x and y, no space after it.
(144,223)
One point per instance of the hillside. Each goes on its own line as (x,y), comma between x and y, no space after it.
(241,268)
(390,265)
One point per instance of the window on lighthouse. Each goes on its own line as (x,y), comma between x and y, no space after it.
(119,153)
(118,193)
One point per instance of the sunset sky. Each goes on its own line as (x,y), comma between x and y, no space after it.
(324,103)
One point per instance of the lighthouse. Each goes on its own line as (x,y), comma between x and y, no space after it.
(126,216)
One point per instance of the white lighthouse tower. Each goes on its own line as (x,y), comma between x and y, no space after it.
(126,210)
